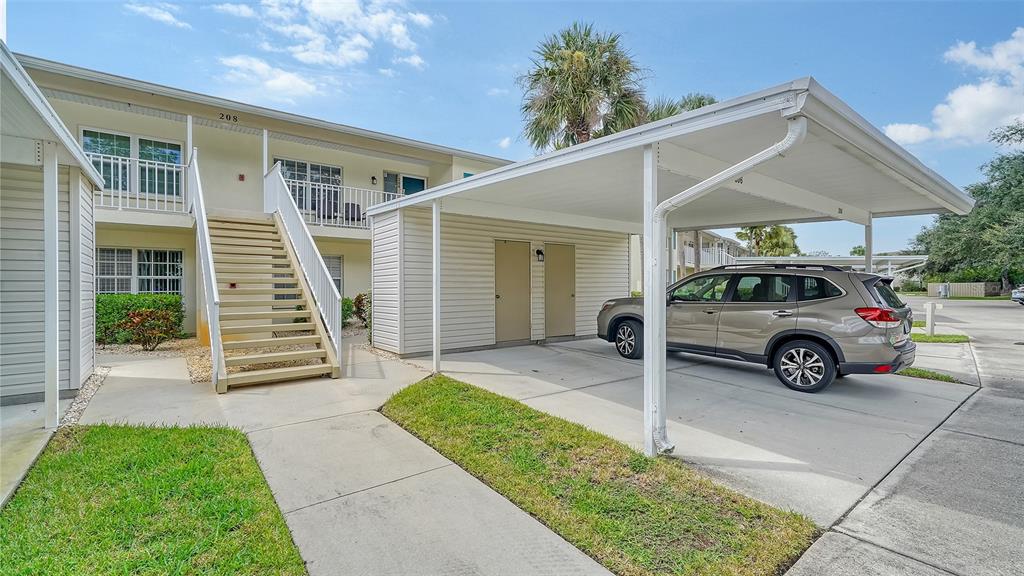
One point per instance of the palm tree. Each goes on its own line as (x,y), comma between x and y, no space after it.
(583,84)
(661,107)
(769,240)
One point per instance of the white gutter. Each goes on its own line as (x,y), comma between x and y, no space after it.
(655,230)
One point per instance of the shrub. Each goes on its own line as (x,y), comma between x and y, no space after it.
(363,303)
(113,309)
(149,328)
(347,309)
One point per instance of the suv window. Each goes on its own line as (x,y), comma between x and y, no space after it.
(703,289)
(888,295)
(815,288)
(762,288)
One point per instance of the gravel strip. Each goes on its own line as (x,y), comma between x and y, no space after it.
(85,394)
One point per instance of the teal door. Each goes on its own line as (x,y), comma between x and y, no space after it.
(412,184)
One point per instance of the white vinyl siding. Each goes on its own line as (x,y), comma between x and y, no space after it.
(467,277)
(86,283)
(385,282)
(21,279)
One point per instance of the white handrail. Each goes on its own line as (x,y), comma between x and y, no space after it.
(325,293)
(197,206)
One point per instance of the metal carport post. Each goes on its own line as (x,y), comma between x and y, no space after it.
(655,230)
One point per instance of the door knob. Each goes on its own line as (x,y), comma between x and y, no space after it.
(782,313)
(710,311)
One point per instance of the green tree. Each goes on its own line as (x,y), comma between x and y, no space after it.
(987,243)
(774,240)
(858,251)
(583,84)
(662,107)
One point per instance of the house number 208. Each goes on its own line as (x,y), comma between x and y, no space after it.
(229,117)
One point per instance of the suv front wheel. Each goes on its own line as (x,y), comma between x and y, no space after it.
(804,366)
(629,339)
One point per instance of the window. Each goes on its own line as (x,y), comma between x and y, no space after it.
(336,266)
(159,162)
(122,270)
(159,271)
(108,144)
(157,178)
(703,289)
(762,288)
(113,270)
(300,175)
(814,288)
(888,295)
(467,174)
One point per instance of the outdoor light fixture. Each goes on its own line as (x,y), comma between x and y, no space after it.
(540,255)
(373,180)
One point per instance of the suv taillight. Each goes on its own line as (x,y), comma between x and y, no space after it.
(879,317)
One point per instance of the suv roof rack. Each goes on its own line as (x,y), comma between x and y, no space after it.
(779,266)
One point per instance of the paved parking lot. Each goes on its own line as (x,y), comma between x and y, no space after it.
(814,453)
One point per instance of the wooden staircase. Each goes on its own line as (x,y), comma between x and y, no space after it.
(269,325)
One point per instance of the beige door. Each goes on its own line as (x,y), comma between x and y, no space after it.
(511,290)
(559,290)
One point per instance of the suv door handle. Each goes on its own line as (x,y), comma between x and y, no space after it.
(710,311)
(782,313)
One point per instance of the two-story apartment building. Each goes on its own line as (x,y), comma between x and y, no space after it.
(138,136)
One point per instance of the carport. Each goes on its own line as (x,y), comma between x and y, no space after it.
(792,153)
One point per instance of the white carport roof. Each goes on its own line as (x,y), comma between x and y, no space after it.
(845,169)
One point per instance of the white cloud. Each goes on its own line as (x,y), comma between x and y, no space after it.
(273,83)
(413,60)
(505,142)
(389,72)
(421,19)
(239,10)
(497,91)
(160,12)
(971,111)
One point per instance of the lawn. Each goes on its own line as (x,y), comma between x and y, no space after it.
(633,514)
(939,338)
(138,500)
(927,374)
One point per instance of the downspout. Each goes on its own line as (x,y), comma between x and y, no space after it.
(796,131)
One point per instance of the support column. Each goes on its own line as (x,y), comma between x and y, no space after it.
(697,247)
(51,288)
(868,249)
(188,137)
(266,151)
(654,309)
(436,284)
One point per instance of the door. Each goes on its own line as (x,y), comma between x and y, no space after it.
(693,309)
(760,306)
(413,184)
(511,291)
(559,290)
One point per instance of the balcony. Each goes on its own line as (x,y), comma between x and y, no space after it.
(335,205)
(135,184)
(709,257)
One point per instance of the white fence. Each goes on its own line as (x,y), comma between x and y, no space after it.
(334,205)
(709,257)
(278,198)
(212,295)
(136,184)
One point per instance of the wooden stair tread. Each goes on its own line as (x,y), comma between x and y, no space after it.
(265,315)
(228,226)
(255,260)
(247,250)
(254,268)
(239,219)
(271,342)
(262,302)
(277,374)
(260,291)
(255,280)
(220,241)
(255,328)
(268,357)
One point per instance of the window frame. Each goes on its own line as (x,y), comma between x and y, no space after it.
(726,295)
(131,270)
(800,288)
(790,298)
(135,276)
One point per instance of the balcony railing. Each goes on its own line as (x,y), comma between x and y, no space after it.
(136,184)
(334,205)
(709,257)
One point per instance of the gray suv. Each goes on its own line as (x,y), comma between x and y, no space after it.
(811,324)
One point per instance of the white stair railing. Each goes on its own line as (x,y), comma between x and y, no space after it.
(277,198)
(197,206)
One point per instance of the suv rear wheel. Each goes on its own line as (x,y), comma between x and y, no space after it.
(629,339)
(804,366)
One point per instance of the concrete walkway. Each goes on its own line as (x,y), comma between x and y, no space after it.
(955,505)
(359,494)
(22,438)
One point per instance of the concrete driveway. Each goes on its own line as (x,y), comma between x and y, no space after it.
(814,453)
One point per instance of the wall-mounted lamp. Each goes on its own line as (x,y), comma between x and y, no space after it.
(373,180)
(540,255)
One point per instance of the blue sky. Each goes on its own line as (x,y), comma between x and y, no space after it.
(938,75)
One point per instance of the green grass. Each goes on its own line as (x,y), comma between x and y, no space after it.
(633,514)
(140,501)
(939,338)
(919,323)
(927,374)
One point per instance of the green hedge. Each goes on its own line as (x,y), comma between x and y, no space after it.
(112,309)
(347,309)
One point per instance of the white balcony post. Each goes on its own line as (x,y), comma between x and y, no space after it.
(654,303)
(436,284)
(868,237)
(51,288)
